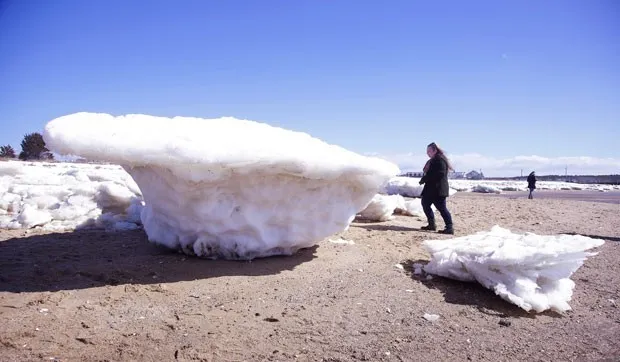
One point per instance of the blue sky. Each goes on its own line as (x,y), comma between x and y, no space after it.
(490,81)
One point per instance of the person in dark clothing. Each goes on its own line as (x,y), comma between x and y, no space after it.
(436,188)
(531,184)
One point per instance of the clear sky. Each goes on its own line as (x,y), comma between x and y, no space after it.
(490,80)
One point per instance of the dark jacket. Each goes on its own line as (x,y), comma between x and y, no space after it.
(531,181)
(436,179)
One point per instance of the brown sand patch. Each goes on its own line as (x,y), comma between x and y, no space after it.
(114,297)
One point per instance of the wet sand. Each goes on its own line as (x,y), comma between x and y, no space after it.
(609,197)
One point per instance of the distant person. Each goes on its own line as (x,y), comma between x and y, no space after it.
(531,184)
(436,188)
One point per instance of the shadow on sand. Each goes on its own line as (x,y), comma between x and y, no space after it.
(606,238)
(381,227)
(86,259)
(473,294)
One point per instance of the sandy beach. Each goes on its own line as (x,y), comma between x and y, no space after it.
(96,296)
(611,197)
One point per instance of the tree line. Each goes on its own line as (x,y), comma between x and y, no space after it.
(33,148)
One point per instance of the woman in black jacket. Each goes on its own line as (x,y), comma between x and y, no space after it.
(531,183)
(436,188)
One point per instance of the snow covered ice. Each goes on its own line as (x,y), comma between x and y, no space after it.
(63,196)
(404,186)
(383,207)
(529,270)
(410,187)
(226,187)
(498,186)
(486,189)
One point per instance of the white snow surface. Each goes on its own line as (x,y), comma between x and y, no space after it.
(66,196)
(410,187)
(198,149)
(486,189)
(529,270)
(498,186)
(406,186)
(383,207)
(63,196)
(412,207)
(227,188)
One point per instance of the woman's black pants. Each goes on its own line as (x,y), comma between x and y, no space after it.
(440,204)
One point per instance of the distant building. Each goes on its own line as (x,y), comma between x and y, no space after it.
(451,175)
(474,175)
(456,175)
(413,174)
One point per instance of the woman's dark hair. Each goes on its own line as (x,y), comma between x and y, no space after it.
(441,154)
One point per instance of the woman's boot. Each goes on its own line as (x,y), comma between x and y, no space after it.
(448,230)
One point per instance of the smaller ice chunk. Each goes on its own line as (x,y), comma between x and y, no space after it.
(381,207)
(486,189)
(404,186)
(529,270)
(342,241)
(111,195)
(42,202)
(31,216)
(413,207)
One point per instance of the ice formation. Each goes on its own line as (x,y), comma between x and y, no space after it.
(407,187)
(516,185)
(404,186)
(486,189)
(529,270)
(226,187)
(383,207)
(57,196)
(66,196)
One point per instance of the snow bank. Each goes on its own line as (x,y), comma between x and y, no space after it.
(529,270)
(404,186)
(58,196)
(412,207)
(383,208)
(486,189)
(226,187)
(508,185)
(410,187)
(407,187)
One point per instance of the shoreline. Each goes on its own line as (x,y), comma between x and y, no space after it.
(607,197)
